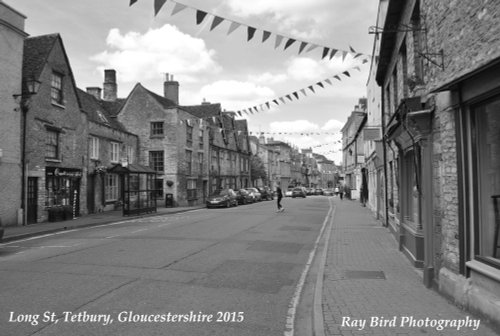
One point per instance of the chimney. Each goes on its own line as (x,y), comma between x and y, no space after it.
(109,86)
(95,91)
(205,102)
(171,89)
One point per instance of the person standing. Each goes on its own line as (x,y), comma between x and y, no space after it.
(279,195)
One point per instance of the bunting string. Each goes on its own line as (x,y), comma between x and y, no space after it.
(201,15)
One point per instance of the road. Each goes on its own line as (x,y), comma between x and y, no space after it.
(205,272)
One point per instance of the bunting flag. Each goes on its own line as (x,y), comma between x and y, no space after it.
(200,16)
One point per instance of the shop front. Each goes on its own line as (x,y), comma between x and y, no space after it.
(62,193)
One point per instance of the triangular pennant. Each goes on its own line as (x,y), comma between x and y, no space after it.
(289,43)
(256,109)
(265,35)
(132,2)
(302,46)
(282,100)
(251,33)
(279,38)
(312,47)
(328,81)
(303,92)
(296,95)
(288,96)
(312,89)
(200,16)
(332,53)
(357,55)
(366,61)
(275,101)
(325,52)
(357,68)
(268,105)
(337,77)
(216,21)
(346,73)
(158,5)
(239,112)
(178,8)
(233,27)
(352,50)
(344,54)
(320,84)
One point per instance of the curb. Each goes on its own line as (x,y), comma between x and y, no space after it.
(69,227)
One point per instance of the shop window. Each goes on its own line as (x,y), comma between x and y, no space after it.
(485,141)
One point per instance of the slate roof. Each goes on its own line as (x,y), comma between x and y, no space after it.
(36,52)
(203,110)
(92,106)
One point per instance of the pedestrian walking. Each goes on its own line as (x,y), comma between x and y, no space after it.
(279,195)
(341,192)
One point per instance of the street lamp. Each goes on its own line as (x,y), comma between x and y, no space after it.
(29,88)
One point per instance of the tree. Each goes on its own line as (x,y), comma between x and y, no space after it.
(257,169)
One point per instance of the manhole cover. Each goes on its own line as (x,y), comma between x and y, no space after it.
(364,275)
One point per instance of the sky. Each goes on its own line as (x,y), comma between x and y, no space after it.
(222,67)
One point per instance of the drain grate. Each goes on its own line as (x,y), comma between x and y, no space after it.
(364,275)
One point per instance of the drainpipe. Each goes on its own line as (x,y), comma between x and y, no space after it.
(386,194)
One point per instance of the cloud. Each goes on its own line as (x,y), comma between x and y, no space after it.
(293,126)
(236,95)
(141,57)
(268,78)
(332,124)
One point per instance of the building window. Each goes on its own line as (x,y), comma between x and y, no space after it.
(52,145)
(189,160)
(191,189)
(201,137)
(111,187)
(130,154)
(94,148)
(157,129)
(200,162)
(156,161)
(189,135)
(485,152)
(115,152)
(56,91)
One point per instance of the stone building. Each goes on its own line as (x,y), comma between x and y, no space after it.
(284,154)
(56,133)
(109,144)
(172,141)
(353,151)
(439,68)
(11,116)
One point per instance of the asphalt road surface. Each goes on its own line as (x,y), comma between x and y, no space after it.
(229,271)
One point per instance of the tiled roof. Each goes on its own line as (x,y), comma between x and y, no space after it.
(164,102)
(97,111)
(36,52)
(203,110)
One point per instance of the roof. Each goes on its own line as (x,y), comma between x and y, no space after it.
(98,112)
(164,102)
(203,110)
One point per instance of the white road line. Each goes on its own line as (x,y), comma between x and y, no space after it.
(292,306)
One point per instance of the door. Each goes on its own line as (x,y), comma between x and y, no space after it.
(32,200)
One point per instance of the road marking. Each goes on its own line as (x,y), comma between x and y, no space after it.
(292,306)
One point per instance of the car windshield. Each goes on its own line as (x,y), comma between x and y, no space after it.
(222,192)
(297,189)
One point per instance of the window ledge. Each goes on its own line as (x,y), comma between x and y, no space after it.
(52,160)
(157,137)
(58,105)
(479,267)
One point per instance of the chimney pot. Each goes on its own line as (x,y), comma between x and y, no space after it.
(171,89)
(95,91)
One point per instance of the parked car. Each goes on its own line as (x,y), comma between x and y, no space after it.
(288,192)
(255,194)
(244,197)
(318,191)
(328,192)
(299,192)
(310,191)
(1,233)
(222,198)
(266,193)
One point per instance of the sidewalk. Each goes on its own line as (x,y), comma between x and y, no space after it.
(367,279)
(13,233)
